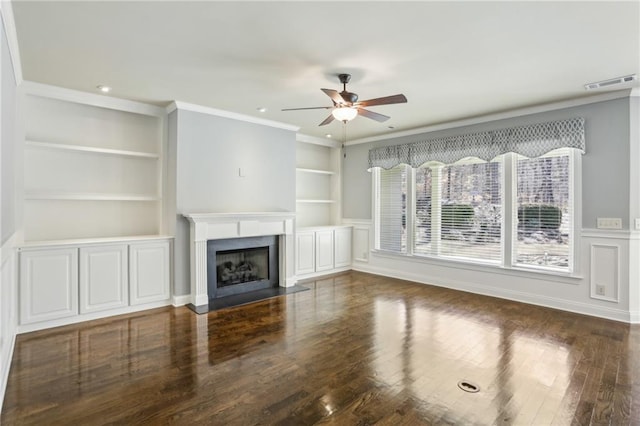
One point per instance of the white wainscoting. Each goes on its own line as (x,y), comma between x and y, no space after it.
(605,272)
(607,258)
(360,240)
(8,310)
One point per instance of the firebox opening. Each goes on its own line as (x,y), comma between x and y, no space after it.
(241,265)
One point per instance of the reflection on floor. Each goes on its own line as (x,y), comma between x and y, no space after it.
(245,298)
(355,349)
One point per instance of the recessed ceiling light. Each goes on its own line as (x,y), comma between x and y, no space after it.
(262,109)
(104,89)
(611,82)
(329,135)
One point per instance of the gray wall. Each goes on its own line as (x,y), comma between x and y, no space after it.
(209,151)
(634,158)
(7,155)
(605,166)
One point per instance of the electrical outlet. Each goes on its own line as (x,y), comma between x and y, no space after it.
(609,223)
(600,290)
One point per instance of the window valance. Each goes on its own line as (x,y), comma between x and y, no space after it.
(531,141)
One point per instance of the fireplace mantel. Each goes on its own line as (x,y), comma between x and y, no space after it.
(215,226)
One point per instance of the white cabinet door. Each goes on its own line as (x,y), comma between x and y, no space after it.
(342,247)
(149,272)
(324,250)
(103,278)
(305,253)
(48,284)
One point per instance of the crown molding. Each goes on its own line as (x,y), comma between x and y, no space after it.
(607,96)
(300,137)
(94,99)
(6,10)
(179,105)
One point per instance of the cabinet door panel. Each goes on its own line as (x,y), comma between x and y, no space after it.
(48,284)
(305,253)
(324,250)
(149,272)
(103,278)
(343,247)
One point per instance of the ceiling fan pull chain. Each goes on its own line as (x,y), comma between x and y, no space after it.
(344,139)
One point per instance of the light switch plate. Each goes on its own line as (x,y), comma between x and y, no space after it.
(637,223)
(609,223)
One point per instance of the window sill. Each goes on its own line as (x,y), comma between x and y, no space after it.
(516,271)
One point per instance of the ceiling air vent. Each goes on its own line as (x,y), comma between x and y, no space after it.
(611,82)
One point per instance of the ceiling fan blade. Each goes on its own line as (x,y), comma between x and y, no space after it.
(334,95)
(387,100)
(327,120)
(373,115)
(297,109)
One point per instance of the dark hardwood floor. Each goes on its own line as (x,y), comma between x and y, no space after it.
(356,349)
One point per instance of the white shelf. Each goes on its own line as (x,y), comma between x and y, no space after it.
(317,171)
(79,196)
(91,149)
(315,201)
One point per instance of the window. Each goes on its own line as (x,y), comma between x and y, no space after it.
(544,211)
(459,211)
(392,209)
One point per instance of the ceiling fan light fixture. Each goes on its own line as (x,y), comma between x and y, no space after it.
(344,113)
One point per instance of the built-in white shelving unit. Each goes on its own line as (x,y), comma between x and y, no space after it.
(323,245)
(317,185)
(95,240)
(92,169)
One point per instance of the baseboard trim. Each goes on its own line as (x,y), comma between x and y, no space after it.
(307,277)
(532,299)
(181,300)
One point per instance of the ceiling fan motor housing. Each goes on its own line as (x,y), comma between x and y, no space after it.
(349,97)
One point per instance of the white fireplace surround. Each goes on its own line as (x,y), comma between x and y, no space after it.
(216,226)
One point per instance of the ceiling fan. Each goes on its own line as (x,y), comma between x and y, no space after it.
(346,105)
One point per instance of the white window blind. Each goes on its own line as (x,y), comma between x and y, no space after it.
(459,211)
(543,234)
(471,211)
(392,209)
(424,244)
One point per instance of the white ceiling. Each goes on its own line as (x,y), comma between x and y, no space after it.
(452,60)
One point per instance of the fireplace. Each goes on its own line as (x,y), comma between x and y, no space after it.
(207,227)
(241,265)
